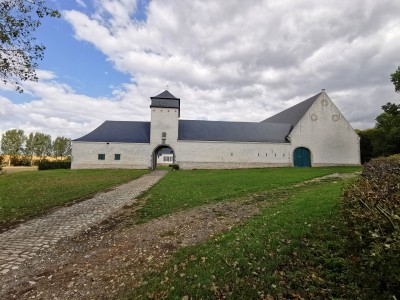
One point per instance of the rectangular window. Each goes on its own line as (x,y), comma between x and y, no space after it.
(117,156)
(101,156)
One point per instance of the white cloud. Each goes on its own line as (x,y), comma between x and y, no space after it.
(81,3)
(60,111)
(231,60)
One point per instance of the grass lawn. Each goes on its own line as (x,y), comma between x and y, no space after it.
(185,189)
(292,250)
(26,194)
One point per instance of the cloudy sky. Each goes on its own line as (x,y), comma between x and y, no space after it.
(227,60)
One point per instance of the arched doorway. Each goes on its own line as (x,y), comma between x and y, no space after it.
(163,155)
(302,157)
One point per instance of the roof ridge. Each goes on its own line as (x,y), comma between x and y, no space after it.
(293,114)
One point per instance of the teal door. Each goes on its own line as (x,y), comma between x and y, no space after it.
(302,157)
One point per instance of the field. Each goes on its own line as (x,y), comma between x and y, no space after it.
(185,189)
(294,249)
(27,194)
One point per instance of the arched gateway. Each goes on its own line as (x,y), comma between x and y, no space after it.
(162,155)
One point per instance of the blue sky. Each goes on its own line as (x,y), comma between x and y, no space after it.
(226,60)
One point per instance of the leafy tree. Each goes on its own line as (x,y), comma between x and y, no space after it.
(29,149)
(387,138)
(61,147)
(19,51)
(11,142)
(395,78)
(42,145)
(366,144)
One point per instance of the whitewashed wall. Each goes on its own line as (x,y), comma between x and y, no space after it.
(163,120)
(327,134)
(133,156)
(227,155)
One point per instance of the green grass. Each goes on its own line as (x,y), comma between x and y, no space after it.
(185,189)
(160,167)
(27,194)
(292,249)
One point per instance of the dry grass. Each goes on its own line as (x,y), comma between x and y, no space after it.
(12,169)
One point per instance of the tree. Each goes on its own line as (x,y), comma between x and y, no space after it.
(61,146)
(387,137)
(395,78)
(367,137)
(11,142)
(19,51)
(29,149)
(42,145)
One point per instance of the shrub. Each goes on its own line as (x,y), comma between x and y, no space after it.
(20,161)
(174,167)
(2,159)
(372,212)
(51,165)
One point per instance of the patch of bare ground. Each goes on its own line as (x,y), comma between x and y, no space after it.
(115,255)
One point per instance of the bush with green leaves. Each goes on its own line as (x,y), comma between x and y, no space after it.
(52,165)
(372,212)
(2,158)
(174,167)
(20,161)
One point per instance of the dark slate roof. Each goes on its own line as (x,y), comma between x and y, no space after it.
(165,95)
(293,114)
(165,100)
(232,131)
(274,129)
(119,131)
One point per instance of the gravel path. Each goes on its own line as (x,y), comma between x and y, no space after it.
(112,257)
(26,240)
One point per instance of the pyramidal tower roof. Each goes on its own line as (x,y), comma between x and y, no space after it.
(166,100)
(165,95)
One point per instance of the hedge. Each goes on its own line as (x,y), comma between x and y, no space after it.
(51,165)
(372,213)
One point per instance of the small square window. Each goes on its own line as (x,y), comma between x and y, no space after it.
(101,156)
(117,156)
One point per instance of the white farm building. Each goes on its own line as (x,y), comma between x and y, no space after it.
(311,133)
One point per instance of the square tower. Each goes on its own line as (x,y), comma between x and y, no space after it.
(165,112)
